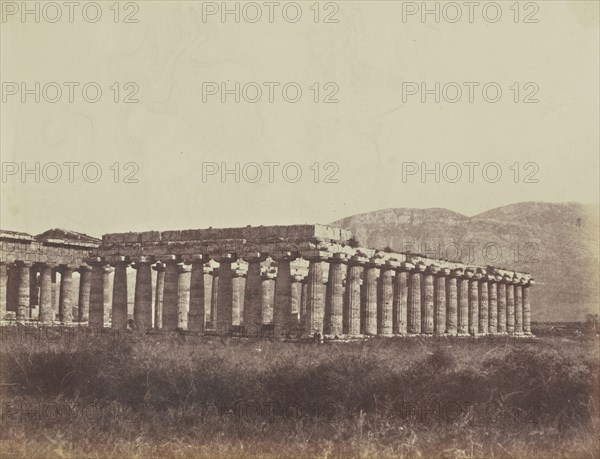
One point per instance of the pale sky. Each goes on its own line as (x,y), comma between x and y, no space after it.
(370,58)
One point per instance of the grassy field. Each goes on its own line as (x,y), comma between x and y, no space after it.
(67,394)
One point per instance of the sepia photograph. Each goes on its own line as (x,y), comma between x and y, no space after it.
(300,229)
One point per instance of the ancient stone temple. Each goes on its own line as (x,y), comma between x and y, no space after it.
(290,280)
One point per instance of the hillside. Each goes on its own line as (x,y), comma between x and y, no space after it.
(557,243)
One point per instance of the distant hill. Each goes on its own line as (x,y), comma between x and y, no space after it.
(557,243)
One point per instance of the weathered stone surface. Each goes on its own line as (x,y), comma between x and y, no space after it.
(400,304)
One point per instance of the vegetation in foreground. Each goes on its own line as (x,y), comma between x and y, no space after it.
(66,394)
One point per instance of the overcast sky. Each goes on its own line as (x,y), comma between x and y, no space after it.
(367,61)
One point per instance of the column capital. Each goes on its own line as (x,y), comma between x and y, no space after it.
(419,267)
(374,263)
(432,269)
(407,266)
(67,267)
(284,256)
(444,271)
(184,268)
(118,259)
(159,267)
(457,272)
(170,260)
(469,273)
(254,256)
(391,265)
(141,259)
(315,255)
(358,259)
(338,257)
(24,263)
(224,257)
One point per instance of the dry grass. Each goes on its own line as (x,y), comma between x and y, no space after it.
(190,396)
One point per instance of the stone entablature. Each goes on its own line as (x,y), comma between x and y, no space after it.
(300,277)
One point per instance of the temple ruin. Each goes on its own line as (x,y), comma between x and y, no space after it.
(287,280)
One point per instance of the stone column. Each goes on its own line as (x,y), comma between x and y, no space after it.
(24,270)
(352,304)
(253,297)
(197,313)
(99,294)
(225,294)
(440,322)
(527,308)
(214,299)
(493,305)
(208,284)
(414,300)
(463,304)
(238,283)
(282,305)
(501,305)
(473,303)
(55,294)
(334,301)
(65,306)
(46,314)
(483,304)
(142,301)
(33,290)
(427,300)
(385,304)
(296,281)
(315,302)
(85,284)
(3,288)
(119,299)
(267,296)
(510,305)
(170,306)
(452,302)
(518,307)
(184,272)
(400,303)
(369,303)
(158,297)
(303,302)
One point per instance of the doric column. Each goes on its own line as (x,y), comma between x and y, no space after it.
(315,302)
(368,321)
(238,283)
(197,312)
(267,290)
(334,301)
(65,306)
(352,304)
(463,303)
(208,285)
(225,294)
(452,302)
(473,302)
(3,288)
(24,270)
(142,301)
(119,299)
(46,314)
(493,304)
(518,306)
(282,304)
(304,300)
(252,299)
(99,293)
(510,305)
(385,305)
(158,297)
(483,303)
(55,293)
(501,304)
(440,303)
(184,272)
(33,290)
(414,300)
(214,299)
(427,300)
(85,284)
(400,303)
(170,306)
(527,307)
(296,281)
